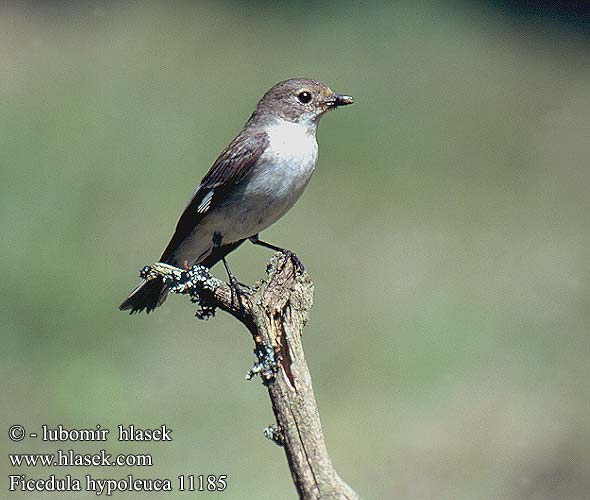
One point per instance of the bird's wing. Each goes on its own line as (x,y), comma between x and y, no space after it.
(232,166)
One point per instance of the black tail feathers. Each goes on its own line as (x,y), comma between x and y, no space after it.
(148,295)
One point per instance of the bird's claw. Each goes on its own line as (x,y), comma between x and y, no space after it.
(235,291)
(297,264)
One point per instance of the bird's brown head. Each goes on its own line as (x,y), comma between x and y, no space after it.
(298,100)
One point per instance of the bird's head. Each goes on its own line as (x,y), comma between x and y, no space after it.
(299,100)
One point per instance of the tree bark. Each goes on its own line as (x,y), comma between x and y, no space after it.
(275,312)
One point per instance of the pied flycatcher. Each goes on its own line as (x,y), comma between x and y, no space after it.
(252,184)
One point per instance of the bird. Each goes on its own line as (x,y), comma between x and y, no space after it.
(255,180)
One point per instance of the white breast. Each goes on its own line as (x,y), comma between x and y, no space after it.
(289,161)
(276,182)
(293,141)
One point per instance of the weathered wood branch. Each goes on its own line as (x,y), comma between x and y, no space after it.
(275,312)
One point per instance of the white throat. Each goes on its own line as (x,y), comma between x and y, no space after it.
(293,147)
(292,137)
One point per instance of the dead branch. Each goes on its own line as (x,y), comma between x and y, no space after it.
(275,312)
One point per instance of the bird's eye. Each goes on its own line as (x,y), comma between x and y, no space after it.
(304,97)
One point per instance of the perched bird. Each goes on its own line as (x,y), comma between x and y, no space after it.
(252,184)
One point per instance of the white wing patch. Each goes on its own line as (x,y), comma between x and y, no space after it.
(205,202)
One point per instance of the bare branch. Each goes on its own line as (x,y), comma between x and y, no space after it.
(275,312)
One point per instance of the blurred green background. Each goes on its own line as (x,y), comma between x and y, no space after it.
(447,231)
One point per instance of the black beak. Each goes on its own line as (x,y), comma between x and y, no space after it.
(340,100)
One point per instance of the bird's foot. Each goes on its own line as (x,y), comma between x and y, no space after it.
(234,287)
(297,264)
(236,292)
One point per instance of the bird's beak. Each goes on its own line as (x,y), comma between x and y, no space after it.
(339,100)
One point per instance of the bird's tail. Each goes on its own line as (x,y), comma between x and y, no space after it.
(148,295)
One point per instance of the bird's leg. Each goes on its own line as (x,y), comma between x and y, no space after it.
(297,264)
(233,281)
(233,284)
